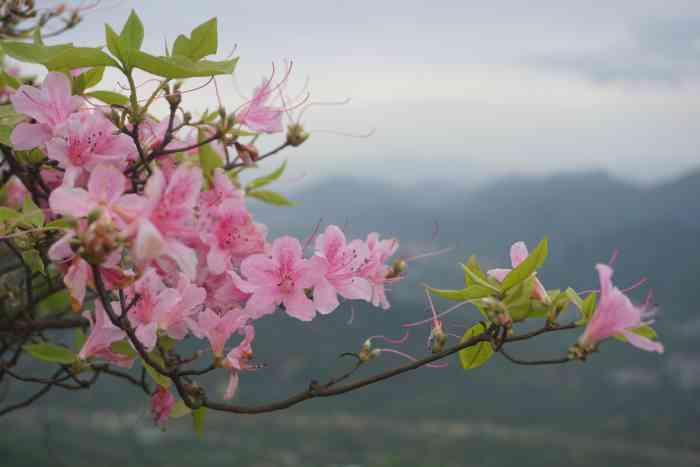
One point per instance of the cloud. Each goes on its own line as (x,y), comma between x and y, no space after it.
(659,51)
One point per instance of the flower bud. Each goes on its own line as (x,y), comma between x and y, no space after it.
(296,135)
(247,152)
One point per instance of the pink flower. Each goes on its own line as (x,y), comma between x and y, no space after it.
(105,191)
(162,403)
(232,236)
(168,218)
(77,273)
(15,191)
(85,140)
(518,253)
(259,117)
(175,321)
(103,333)
(237,360)
(616,315)
(155,300)
(343,262)
(221,190)
(375,268)
(217,328)
(280,279)
(49,106)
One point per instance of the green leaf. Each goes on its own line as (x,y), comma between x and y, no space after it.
(198,421)
(202,41)
(131,36)
(180,409)
(51,353)
(79,340)
(87,79)
(178,67)
(159,379)
(33,53)
(519,300)
(475,268)
(32,258)
(8,116)
(209,159)
(7,214)
(271,197)
(474,277)
(114,44)
(267,179)
(472,292)
(58,302)
(5,132)
(109,97)
(79,57)
(588,306)
(527,267)
(123,347)
(62,223)
(478,354)
(32,213)
(574,297)
(9,80)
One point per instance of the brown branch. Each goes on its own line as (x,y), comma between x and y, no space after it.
(518,361)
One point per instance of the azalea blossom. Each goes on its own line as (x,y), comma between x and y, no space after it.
(77,273)
(518,254)
(167,219)
(14,191)
(103,333)
(280,279)
(342,265)
(375,269)
(218,327)
(154,302)
(162,403)
(233,236)
(105,192)
(237,360)
(85,140)
(257,115)
(617,315)
(49,106)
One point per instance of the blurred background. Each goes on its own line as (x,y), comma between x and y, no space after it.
(495,122)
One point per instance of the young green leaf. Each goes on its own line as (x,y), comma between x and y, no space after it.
(8,214)
(159,379)
(33,53)
(109,97)
(203,41)
(644,331)
(527,267)
(57,302)
(179,67)
(198,421)
(475,268)
(472,292)
(474,277)
(124,348)
(588,306)
(87,79)
(51,353)
(180,409)
(79,340)
(478,354)
(574,297)
(271,197)
(209,159)
(131,36)
(267,179)
(32,258)
(79,57)
(32,213)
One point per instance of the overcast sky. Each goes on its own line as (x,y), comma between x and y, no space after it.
(463,90)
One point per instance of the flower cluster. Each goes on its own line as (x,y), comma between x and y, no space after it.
(184,250)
